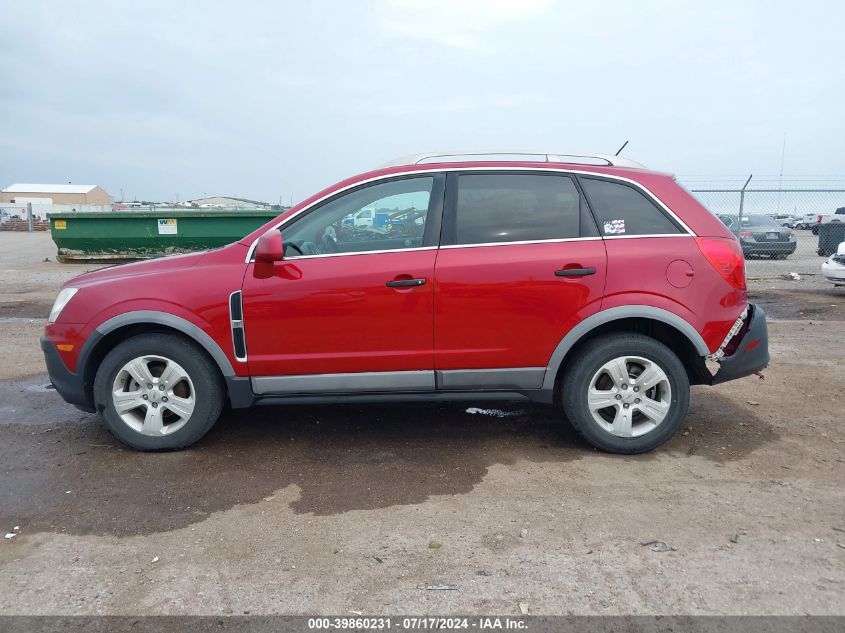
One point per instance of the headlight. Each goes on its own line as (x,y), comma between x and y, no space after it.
(60,303)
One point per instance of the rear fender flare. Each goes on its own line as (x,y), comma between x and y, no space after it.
(614,314)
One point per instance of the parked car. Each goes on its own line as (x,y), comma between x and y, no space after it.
(813,221)
(837,217)
(597,289)
(833,270)
(785,219)
(809,220)
(762,235)
(363,218)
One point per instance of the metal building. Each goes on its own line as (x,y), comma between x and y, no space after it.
(55,194)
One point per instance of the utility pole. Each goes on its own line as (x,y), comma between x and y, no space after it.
(780,179)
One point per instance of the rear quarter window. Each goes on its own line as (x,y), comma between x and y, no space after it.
(621,209)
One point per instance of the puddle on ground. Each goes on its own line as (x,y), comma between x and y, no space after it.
(62,471)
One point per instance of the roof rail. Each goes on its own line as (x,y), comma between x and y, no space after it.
(505,155)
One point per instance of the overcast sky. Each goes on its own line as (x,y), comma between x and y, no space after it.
(264,100)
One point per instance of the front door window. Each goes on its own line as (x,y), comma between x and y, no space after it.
(381,217)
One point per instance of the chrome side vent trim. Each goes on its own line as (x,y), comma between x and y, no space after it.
(236,318)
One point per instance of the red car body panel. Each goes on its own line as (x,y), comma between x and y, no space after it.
(335,314)
(192,287)
(637,275)
(503,306)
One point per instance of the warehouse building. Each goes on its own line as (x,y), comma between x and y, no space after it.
(55,194)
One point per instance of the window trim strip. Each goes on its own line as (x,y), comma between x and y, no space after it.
(380,252)
(630,237)
(517,243)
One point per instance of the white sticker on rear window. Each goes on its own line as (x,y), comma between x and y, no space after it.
(614,227)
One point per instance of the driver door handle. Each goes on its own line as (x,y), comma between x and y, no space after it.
(402,283)
(575,272)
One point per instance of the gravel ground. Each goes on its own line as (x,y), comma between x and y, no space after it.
(806,262)
(334,509)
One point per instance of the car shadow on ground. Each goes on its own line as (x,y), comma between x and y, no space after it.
(72,476)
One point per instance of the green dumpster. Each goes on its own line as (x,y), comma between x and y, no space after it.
(124,235)
(831,235)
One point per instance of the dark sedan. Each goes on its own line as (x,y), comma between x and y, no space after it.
(762,235)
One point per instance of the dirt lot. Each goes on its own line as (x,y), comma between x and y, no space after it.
(333,509)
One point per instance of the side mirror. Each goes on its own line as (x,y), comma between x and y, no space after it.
(270,247)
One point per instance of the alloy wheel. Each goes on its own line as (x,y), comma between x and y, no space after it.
(153,395)
(629,396)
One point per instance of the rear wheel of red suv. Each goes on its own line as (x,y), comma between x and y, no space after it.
(625,393)
(158,392)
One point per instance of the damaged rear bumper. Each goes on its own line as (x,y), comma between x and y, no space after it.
(746,351)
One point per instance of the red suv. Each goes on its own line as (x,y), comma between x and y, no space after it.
(584,282)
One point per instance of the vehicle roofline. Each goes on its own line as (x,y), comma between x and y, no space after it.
(629,173)
(548,157)
(621,174)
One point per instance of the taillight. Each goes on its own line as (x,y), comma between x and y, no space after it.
(726,257)
(746,234)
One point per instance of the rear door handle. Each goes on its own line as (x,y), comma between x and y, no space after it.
(575,272)
(402,283)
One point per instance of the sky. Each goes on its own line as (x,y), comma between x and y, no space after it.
(276,100)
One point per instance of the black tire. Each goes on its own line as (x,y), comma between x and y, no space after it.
(208,387)
(590,358)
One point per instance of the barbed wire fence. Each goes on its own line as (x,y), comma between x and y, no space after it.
(793,219)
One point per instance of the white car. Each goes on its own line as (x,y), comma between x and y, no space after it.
(814,220)
(834,268)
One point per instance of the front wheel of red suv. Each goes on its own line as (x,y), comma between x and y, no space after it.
(158,392)
(625,393)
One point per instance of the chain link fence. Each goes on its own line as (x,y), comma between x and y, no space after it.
(785,225)
(32,216)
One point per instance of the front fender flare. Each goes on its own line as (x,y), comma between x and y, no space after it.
(158,318)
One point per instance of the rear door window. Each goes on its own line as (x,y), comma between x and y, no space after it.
(621,209)
(508,207)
